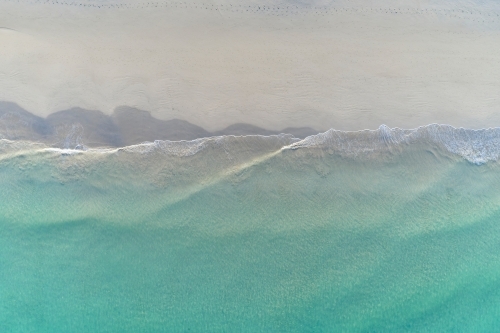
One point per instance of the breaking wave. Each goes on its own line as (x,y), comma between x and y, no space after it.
(478,146)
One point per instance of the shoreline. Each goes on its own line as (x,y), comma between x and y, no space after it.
(477,146)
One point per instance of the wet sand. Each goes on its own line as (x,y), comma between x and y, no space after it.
(124,127)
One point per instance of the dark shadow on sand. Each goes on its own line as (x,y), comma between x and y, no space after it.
(126,126)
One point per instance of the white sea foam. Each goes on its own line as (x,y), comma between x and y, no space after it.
(227,143)
(476,146)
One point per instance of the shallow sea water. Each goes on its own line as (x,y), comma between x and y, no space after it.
(236,234)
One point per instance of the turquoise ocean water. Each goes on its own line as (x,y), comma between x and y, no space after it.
(373,231)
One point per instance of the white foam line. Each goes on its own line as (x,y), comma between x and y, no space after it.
(475,145)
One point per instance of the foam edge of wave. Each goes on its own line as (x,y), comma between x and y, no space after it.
(477,146)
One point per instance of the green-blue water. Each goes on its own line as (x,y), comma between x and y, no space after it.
(241,236)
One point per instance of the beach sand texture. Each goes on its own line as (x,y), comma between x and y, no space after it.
(349,65)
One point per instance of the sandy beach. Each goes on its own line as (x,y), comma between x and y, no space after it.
(347,65)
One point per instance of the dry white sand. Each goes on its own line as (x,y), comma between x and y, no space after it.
(348,65)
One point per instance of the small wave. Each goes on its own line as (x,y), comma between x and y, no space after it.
(226,143)
(477,146)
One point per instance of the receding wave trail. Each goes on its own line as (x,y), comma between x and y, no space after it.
(385,230)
